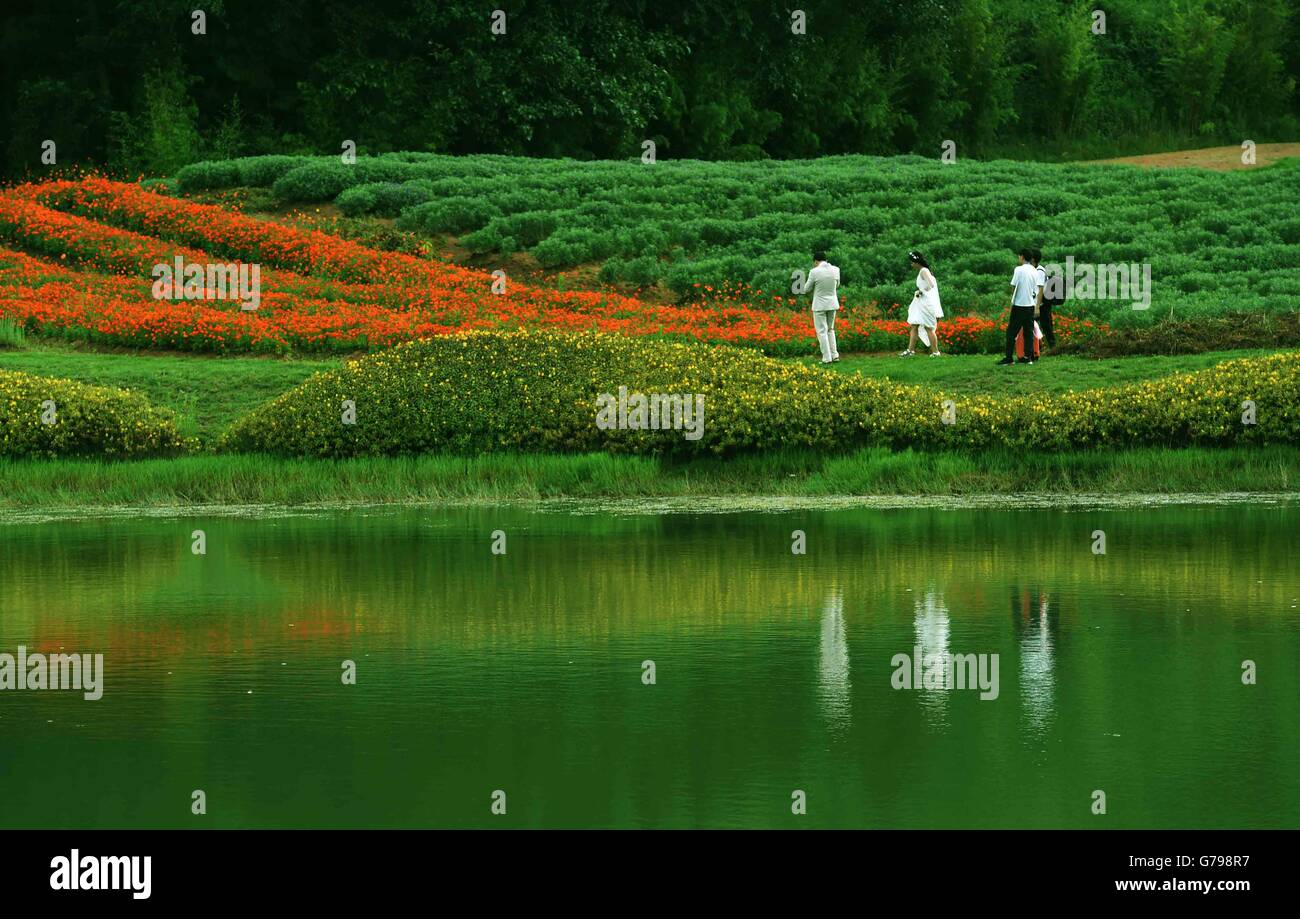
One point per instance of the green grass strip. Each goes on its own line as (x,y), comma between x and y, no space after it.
(440,479)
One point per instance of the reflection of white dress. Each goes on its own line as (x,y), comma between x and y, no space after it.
(834,663)
(932,634)
(925,310)
(1037,677)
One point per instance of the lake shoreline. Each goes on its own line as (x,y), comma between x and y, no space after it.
(796,477)
(652,507)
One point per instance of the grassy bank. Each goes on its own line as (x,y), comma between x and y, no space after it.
(27,484)
(208,393)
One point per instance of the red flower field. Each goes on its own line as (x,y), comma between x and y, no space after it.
(76,259)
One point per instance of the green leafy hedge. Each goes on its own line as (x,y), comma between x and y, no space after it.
(485,391)
(82,420)
(384,199)
(255,171)
(453,214)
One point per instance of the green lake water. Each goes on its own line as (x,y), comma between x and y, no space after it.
(523,672)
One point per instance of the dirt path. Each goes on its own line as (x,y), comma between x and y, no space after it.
(1220,159)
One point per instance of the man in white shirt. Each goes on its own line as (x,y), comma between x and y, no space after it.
(1024,296)
(824,282)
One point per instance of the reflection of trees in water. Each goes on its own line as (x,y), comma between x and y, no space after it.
(833,664)
(425,577)
(931,623)
(1036,624)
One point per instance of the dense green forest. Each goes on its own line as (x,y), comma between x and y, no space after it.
(129,85)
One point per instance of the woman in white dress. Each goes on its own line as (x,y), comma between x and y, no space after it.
(924,313)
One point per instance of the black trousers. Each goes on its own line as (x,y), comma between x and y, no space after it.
(1022,320)
(1045,323)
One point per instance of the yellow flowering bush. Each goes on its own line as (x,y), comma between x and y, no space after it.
(539,391)
(45,417)
(1243,401)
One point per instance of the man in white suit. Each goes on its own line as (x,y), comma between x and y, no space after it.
(824,282)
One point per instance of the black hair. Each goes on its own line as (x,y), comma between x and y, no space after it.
(1036,255)
(917,257)
(1027,254)
(819,255)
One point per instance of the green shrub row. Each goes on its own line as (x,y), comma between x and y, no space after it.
(1215,242)
(1229,332)
(253,171)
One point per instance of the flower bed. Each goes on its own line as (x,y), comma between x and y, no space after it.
(97,241)
(538,390)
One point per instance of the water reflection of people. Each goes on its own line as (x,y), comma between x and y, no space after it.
(931,623)
(1035,625)
(834,663)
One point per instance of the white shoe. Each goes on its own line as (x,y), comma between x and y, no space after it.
(908,353)
(936,354)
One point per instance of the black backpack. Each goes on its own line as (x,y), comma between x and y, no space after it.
(1053,295)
